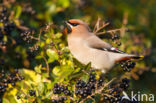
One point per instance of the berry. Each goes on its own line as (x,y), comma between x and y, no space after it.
(18,97)
(67,92)
(128,65)
(13,84)
(56,85)
(32,92)
(125,80)
(54,101)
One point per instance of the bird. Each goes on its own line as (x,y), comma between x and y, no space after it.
(87,48)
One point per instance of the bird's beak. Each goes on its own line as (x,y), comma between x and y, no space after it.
(69,26)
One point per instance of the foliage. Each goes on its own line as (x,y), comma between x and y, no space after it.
(41,55)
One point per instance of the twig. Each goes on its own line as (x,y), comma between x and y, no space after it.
(39,36)
(72,98)
(23,28)
(104,25)
(46,64)
(32,37)
(98,91)
(97,24)
(109,31)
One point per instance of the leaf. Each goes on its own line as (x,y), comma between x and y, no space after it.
(11,95)
(64,3)
(30,76)
(88,66)
(42,44)
(78,63)
(65,72)
(48,41)
(58,35)
(56,70)
(38,68)
(44,75)
(5,100)
(18,11)
(52,55)
(38,57)
(85,78)
(40,88)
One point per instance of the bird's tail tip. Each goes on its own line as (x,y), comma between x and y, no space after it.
(138,57)
(130,57)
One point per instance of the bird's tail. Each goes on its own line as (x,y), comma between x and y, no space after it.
(125,57)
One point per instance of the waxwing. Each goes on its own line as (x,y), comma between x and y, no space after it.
(86,47)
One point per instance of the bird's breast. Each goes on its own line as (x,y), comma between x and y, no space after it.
(85,54)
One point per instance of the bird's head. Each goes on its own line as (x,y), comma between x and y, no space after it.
(75,25)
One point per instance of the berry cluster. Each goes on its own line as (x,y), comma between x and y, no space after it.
(32,52)
(7,78)
(85,89)
(58,89)
(7,26)
(59,100)
(115,92)
(128,65)
(28,9)
(110,93)
(34,48)
(124,84)
(116,38)
(31,55)
(26,36)
(12,36)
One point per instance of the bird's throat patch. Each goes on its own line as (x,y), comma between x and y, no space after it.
(69,29)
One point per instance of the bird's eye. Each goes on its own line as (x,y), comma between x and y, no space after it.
(73,24)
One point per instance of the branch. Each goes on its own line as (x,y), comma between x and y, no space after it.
(46,64)
(109,31)
(100,28)
(98,91)
(97,24)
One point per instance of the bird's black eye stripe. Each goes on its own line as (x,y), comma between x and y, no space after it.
(73,24)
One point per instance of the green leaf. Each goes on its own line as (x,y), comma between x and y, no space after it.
(40,88)
(64,3)
(38,57)
(85,78)
(52,55)
(45,75)
(65,72)
(18,11)
(30,76)
(56,70)
(58,35)
(11,99)
(48,40)
(38,68)
(5,100)
(78,63)
(88,66)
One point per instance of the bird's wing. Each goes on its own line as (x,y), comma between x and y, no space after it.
(95,42)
